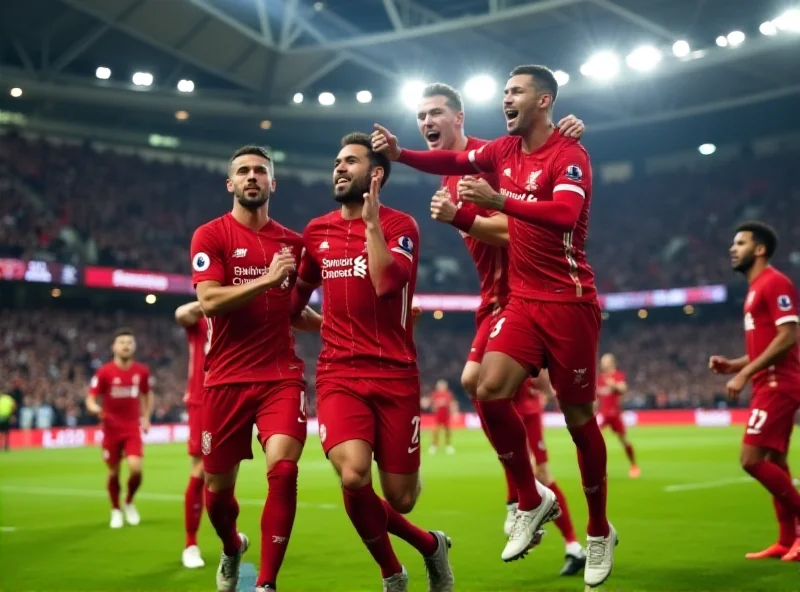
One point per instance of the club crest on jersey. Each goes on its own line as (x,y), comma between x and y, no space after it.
(201,262)
(784,302)
(574,173)
(205,443)
(532,185)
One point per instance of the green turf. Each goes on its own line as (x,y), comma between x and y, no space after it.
(669,540)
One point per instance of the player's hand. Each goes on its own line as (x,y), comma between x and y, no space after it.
(479,192)
(442,207)
(372,203)
(281,268)
(720,365)
(385,142)
(93,408)
(145,424)
(416,313)
(571,127)
(736,385)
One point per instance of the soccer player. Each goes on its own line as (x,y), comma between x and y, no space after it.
(611,388)
(368,394)
(443,404)
(190,317)
(126,404)
(772,362)
(440,118)
(243,267)
(553,317)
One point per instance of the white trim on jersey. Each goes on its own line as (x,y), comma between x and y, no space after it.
(787,319)
(408,255)
(473,161)
(404,312)
(568,187)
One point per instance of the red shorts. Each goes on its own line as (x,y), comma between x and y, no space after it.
(116,445)
(382,411)
(771,419)
(230,411)
(484,321)
(443,417)
(533,427)
(195,412)
(614,421)
(560,336)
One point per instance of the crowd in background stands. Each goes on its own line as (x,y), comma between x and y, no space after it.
(49,358)
(75,204)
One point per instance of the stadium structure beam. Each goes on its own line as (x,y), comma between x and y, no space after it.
(83,44)
(246,31)
(23,56)
(315,75)
(445,26)
(289,12)
(394,15)
(263,19)
(636,19)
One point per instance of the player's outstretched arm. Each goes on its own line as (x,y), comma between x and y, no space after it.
(187,315)
(722,365)
(435,162)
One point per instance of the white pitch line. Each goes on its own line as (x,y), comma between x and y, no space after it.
(8,528)
(706,484)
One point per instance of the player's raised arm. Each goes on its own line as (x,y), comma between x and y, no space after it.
(435,162)
(187,315)
(492,230)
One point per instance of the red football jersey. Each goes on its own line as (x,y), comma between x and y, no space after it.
(441,400)
(545,264)
(362,335)
(199,338)
(490,261)
(119,390)
(255,342)
(528,400)
(772,301)
(610,400)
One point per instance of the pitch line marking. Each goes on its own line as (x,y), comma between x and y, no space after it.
(706,484)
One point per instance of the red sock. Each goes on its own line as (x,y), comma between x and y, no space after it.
(629,453)
(277,520)
(778,483)
(223,510)
(511,443)
(592,460)
(398,525)
(368,515)
(134,481)
(193,509)
(511,489)
(564,522)
(113,491)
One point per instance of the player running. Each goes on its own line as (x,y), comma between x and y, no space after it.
(772,362)
(243,267)
(553,317)
(440,117)
(368,394)
(443,404)
(123,386)
(611,388)
(190,317)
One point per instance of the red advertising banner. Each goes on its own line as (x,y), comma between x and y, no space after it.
(133,279)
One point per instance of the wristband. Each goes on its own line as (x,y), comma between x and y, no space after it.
(464,219)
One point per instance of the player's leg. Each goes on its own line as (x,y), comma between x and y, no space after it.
(789,525)
(112,456)
(435,438)
(193,511)
(622,433)
(281,422)
(448,438)
(133,458)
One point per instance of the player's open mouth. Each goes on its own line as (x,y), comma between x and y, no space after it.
(511,114)
(342,180)
(433,136)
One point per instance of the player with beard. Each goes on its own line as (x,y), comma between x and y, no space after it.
(243,267)
(365,256)
(772,362)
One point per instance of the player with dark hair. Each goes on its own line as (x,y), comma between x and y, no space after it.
(772,362)
(611,388)
(126,404)
(190,317)
(440,117)
(368,394)
(243,266)
(553,317)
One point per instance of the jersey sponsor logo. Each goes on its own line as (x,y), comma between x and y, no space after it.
(784,302)
(201,262)
(574,173)
(239,253)
(517,196)
(344,267)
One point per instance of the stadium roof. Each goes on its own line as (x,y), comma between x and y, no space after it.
(248,58)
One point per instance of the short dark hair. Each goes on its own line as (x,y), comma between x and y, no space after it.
(123,332)
(543,78)
(763,234)
(375,159)
(256,151)
(440,89)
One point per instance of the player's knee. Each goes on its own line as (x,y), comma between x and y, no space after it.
(402,501)
(492,387)
(749,457)
(469,382)
(354,475)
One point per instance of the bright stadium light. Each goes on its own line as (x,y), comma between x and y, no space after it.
(644,58)
(363,96)
(411,93)
(735,38)
(142,79)
(768,28)
(103,73)
(601,66)
(562,77)
(480,88)
(722,41)
(186,86)
(789,21)
(297,98)
(681,49)
(326,99)
(16,92)
(706,149)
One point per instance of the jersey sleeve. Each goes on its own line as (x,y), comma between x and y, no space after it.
(781,297)
(402,238)
(97,385)
(308,270)
(486,159)
(572,172)
(207,256)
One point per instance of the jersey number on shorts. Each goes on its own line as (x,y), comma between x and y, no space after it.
(757,419)
(415,422)
(497,326)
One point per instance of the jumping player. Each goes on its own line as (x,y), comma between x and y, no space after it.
(126,404)
(365,256)
(553,317)
(190,317)
(443,404)
(772,362)
(611,388)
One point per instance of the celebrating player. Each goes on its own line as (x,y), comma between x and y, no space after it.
(190,317)
(243,267)
(368,394)
(553,317)
(440,117)
(123,386)
(611,388)
(772,362)
(443,404)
